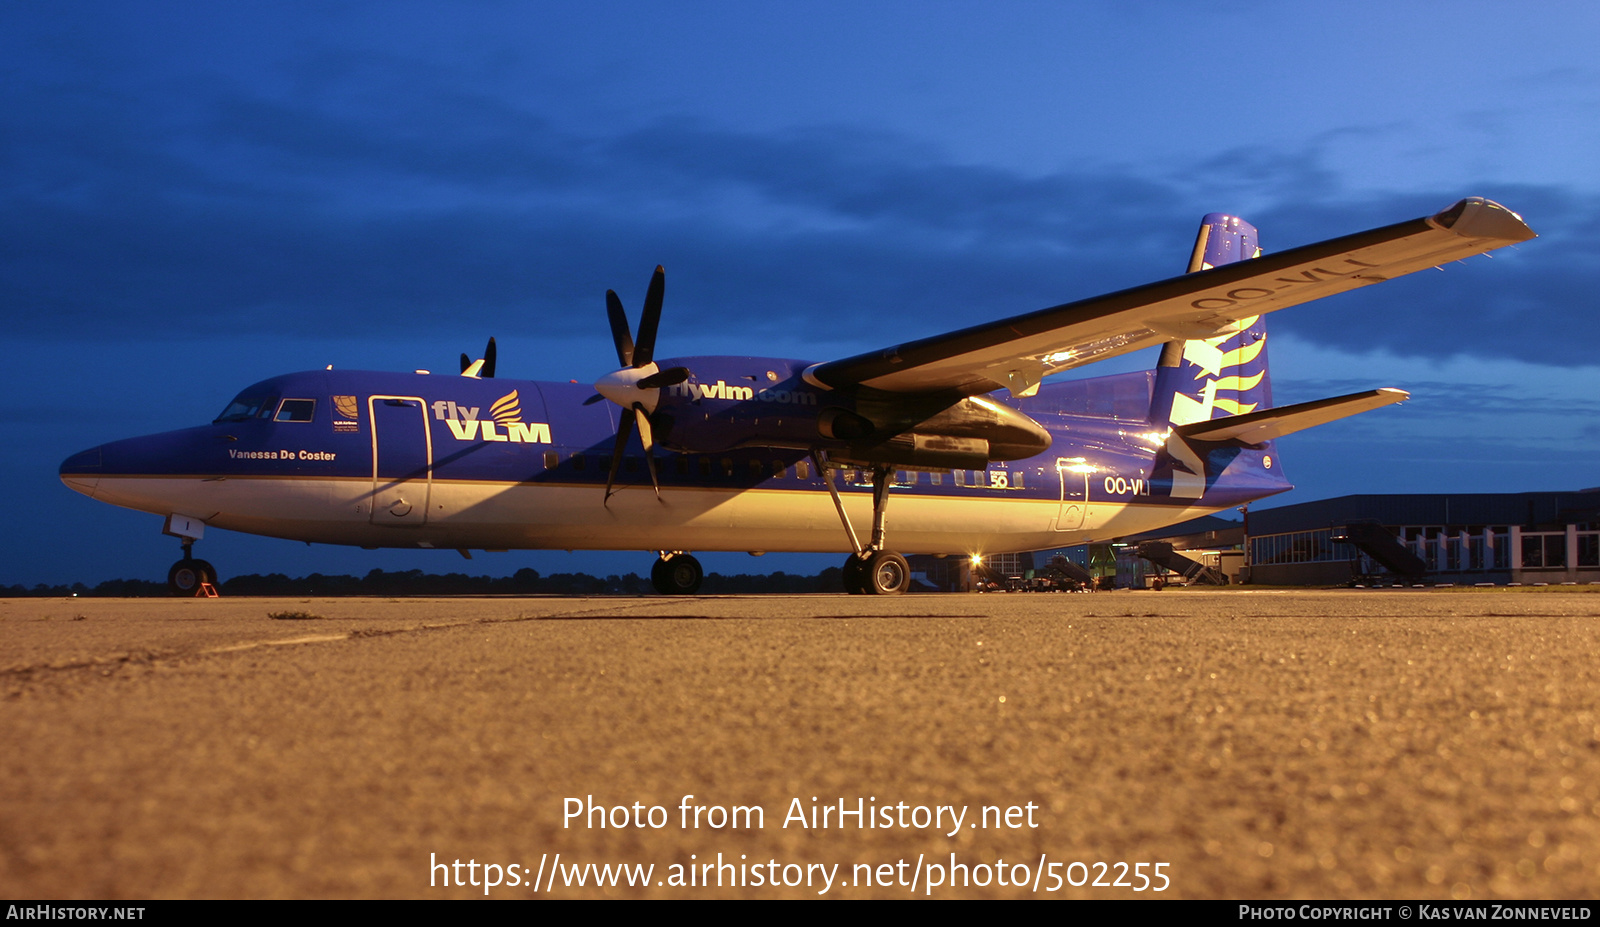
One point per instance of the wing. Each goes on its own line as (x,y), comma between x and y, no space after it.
(1016,353)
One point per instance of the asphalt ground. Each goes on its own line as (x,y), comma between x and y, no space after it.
(1233,744)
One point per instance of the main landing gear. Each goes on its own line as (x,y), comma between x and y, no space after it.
(871,570)
(876,572)
(189,577)
(676,573)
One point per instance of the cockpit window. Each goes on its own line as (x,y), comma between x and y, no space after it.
(247,406)
(296,410)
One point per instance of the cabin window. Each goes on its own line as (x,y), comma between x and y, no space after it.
(680,463)
(779,471)
(551,460)
(755,469)
(802,471)
(296,410)
(577,461)
(705,468)
(961,477)
(936,478)
(727,466)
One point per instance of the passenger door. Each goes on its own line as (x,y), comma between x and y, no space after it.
(402,460)
(1074,492)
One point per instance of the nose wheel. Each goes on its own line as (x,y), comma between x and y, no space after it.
(189,577)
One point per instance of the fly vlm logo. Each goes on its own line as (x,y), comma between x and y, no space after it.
(1209,359)
(1228,375)
(693,389)
(506,413)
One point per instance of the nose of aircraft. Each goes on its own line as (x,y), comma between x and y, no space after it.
(81,472)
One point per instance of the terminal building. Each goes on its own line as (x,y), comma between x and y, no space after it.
(1527,538)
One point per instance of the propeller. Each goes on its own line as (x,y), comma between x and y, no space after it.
(484,368)
(637,386)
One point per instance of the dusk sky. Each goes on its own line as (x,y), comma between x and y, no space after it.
(200,196)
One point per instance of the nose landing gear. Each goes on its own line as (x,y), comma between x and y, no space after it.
(190,577)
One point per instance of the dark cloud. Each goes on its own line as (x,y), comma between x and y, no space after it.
(372,204)
(1526,304)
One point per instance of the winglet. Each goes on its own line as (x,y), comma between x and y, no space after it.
(1476,217)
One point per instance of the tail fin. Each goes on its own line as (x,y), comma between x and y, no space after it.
(1214,396)
(1227,375)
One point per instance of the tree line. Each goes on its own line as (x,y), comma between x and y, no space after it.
(525,581)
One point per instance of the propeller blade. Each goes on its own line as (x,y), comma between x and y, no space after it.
(624,428)
(650,460)
(619,329)
(645,350)
(672,376)
(620,387)
(477,369)
(647,438)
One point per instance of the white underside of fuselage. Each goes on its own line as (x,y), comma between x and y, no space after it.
(543,516)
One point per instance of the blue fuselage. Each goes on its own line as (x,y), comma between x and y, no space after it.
(415,460)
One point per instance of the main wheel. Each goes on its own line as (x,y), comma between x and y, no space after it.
(887,573)
(677,575)
(186,575)
(855,575)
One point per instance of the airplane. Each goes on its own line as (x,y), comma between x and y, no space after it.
(956,434)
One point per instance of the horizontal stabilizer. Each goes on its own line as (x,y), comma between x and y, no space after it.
(1256,427)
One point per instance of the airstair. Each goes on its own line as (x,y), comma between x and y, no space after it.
(1381,547)
(1162,554)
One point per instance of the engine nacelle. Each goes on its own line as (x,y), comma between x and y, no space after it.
(932,452)
(732,402)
